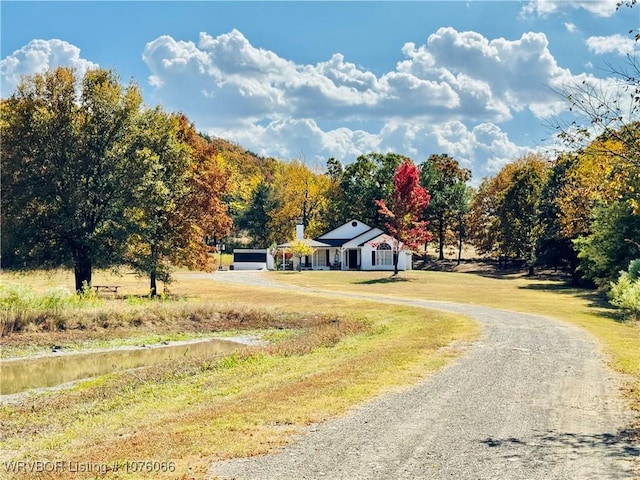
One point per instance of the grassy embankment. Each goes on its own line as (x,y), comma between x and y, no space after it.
(326,356)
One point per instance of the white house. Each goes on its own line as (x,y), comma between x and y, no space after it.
(355,246)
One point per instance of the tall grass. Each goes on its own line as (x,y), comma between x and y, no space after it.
(56,309)
(21,306)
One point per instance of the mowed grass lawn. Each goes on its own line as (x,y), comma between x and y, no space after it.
(194,412)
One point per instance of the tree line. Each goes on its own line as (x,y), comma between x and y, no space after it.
(91,177)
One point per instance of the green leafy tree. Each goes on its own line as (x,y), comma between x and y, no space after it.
(255,218)
(404,209)
(555,246)
(462,195)
(588,195)
(612,243)
(519,210)
(177,201)
(336,199)
(446,181)
(67,171)
(158,197)
(482,222)
(369,178)
(504,217)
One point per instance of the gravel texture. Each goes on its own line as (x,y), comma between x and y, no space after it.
(531,400)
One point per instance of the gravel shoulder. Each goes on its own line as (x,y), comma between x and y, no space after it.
(532,399)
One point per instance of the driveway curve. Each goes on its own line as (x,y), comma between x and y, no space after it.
(531,400)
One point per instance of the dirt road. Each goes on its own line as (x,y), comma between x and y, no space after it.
(531,400)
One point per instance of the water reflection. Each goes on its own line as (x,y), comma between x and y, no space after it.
(21,375)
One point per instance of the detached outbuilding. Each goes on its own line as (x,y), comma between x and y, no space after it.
(252,259)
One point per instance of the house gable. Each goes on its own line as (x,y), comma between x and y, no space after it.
(345,232)
(363,238)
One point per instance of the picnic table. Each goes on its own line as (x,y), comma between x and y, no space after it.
(107,288)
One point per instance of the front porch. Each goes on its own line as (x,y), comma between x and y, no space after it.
(332,259)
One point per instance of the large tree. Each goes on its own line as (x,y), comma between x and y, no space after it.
(504,218)
(336,198)
(297,193)
(177,201)
(597,199)
(255,219)
(612,244)
(67,172)
(405,208)
(369,178)
(519,210)
(446,181)
(555,246)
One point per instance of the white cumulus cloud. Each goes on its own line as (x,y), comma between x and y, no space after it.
(617,44)
(447,95)
(601,8)
(455,93)
(36,57)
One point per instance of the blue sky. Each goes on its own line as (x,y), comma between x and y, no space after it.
(314,80)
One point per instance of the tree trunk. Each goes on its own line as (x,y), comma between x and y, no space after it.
(153,274)
(460,246)
(441,240)
(153,289)
(81,268)
(395,263)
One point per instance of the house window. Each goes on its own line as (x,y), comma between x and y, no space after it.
(320,258)
(384,254)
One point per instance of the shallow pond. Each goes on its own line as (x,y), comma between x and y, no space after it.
(51,370)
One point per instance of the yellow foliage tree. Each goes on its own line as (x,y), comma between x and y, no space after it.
(300,249)
(300,194)
(598,175)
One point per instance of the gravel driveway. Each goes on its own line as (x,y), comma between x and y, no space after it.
(532,399)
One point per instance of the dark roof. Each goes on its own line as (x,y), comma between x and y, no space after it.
(333,242)
(364,237)
(368,236)
(339,242)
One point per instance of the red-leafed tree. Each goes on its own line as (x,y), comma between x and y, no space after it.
(408,201)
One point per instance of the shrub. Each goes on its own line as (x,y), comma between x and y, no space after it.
(625,292)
